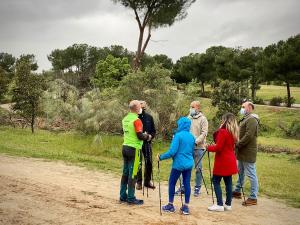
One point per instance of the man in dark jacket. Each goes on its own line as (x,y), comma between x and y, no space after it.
(246,153)
(149,128)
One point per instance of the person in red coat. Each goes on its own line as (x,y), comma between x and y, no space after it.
(225,164)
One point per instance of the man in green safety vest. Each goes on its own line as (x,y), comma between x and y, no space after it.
(133,141)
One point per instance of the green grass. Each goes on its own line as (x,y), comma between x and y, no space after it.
(279,174)
(283,144)
(267,92)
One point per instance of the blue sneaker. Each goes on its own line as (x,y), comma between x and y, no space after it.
(168,208)
(177,193)
(185,210)
(196,192)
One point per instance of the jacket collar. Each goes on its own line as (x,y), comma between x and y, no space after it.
(197,115)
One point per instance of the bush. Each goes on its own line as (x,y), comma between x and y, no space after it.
(97,113)
(227,98)
(292,99)
(192,89)
(59,102)
(155,86)
(293,130)
(276,101)
(206,94)
(259,101)
(109,72)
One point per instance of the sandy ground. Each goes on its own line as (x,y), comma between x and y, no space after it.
(34,191)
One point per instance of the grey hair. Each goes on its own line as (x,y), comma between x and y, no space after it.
(144,103)
(133,104)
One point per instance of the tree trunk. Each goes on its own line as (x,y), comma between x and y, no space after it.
(32,122)
(288,94)
(202,88)
(141,47)
(253,92)
(32,117)
(137,59)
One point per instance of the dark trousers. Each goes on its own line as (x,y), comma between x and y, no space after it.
(147,153)
(186,176)
(127,181)
(228,184)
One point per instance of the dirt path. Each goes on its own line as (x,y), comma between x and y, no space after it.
(34,191)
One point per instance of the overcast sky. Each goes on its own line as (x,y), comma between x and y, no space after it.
(39,26)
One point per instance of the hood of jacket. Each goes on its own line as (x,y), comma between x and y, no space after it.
(184,124)
(255,116)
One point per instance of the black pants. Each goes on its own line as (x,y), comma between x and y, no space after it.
(147,153)
(228,184)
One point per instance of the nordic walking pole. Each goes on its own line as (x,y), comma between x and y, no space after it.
(181,191)
(146,164)
(211,185)
(151,164)
(159,191)
(201,170)
(242,188)
(147,193)
(204,182)
(143,177)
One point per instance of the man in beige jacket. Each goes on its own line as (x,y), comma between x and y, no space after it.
(199,128)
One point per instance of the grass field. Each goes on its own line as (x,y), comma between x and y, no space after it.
(279,174)
(267,92)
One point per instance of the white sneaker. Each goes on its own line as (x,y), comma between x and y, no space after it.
(227,207)
(216,208)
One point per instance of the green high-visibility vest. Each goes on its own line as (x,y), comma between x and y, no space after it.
(131,139)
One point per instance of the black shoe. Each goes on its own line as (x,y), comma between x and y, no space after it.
(136,202)
(150,185)
(138,186)
(121,200)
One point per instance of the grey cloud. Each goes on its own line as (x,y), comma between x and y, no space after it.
(44,10)
(39,26)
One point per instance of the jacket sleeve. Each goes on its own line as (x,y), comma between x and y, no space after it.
(219,143)
(203,131)
(153,131)
(251,126)
(172,150)
(138,126)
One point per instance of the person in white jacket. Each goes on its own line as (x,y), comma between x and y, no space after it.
(199,129)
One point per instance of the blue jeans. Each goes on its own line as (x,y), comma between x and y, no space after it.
(248,169)
(186,175)
(198,168)
(218,190)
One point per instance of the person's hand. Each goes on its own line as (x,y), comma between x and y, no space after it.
(149,137)
(157,157)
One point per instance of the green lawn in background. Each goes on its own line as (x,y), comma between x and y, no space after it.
(267,92)
(279,174)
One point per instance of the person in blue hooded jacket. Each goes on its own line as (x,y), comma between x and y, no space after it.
(181,151)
